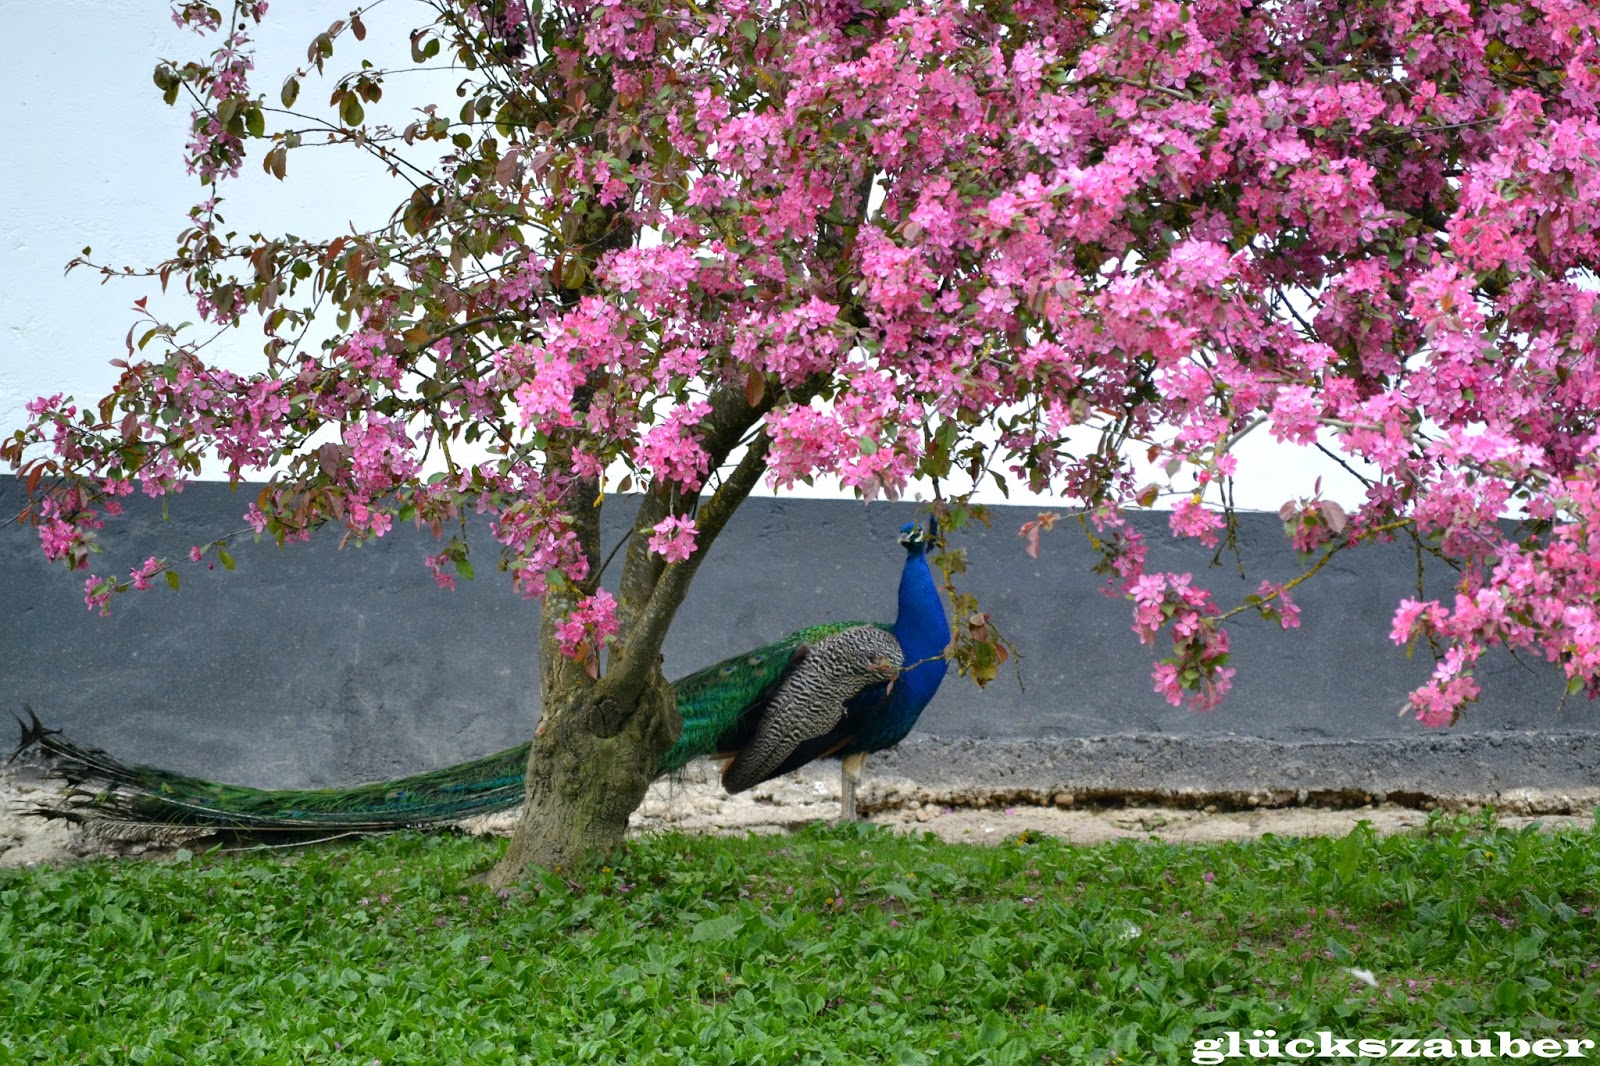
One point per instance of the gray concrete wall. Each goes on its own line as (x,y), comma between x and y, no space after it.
(314,666)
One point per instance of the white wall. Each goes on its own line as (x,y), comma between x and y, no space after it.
(96,159)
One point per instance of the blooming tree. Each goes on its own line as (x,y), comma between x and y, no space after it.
(685,247)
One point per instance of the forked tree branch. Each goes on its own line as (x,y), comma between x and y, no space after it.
(643,650)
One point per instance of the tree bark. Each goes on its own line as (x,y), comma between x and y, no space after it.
(588,770)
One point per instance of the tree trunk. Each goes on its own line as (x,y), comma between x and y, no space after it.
(586,776)
(600,739)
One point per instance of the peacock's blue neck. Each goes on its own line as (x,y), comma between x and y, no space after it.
(923,632)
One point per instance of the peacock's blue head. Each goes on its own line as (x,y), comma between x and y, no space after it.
(916,538)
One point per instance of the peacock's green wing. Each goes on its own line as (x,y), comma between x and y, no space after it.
(712,701)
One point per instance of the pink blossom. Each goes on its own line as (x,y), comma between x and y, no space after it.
(673,538)
(97,593)
(141,575)
(672,449)
(1277,596)
(1191,519)
(1413,616)
(1294,415)
(436,564)
(588,624)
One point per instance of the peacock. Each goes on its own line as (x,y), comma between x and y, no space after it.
(836,690)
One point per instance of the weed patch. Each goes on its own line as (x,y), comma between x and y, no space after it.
(839,945)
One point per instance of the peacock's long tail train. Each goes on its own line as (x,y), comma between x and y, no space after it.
(111,793)
(117,796)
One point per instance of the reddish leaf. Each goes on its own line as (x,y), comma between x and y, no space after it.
(505,171)
(1544,232)
(275,162)
(1030,538)
(328,458)
(978,626)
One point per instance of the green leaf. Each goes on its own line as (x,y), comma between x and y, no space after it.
(350,110)
(290,91)
(1506,994)
(172,579)
(224,558)
(720,928)
(901,891)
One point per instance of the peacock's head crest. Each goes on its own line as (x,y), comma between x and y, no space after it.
(917,538)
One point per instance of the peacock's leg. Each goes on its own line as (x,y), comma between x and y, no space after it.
(851,768)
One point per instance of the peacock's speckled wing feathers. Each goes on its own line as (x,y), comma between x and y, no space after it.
(809,699)
(719,704)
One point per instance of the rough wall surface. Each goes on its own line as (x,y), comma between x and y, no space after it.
(315,666)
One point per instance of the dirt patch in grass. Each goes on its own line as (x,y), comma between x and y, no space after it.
(693,802)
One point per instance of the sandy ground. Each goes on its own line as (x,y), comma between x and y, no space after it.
(694,803)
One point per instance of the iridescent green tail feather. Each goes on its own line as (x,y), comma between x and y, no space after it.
(712,702)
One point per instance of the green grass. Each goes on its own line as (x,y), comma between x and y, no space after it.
(835,945)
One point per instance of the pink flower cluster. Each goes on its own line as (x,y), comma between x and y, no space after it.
(588,625)
(216,147)
(673,538)
(671,450)
(1163,601)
